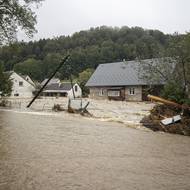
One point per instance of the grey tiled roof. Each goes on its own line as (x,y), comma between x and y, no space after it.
(117,74)
(59,87)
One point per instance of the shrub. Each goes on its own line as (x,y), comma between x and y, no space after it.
(174,91)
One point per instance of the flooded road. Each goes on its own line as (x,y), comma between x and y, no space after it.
(50,152)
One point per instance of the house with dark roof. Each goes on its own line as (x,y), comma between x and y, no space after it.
(57,89)
(120,81)
(52,81)
(23,86)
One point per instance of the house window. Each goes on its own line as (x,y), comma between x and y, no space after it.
(131,91)
(17,94)
(114,93)
(76,88)
(102,92)
(20,83)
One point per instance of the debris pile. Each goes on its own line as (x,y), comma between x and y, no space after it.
(77,105)
(160,116)
(3,103)
(57,107)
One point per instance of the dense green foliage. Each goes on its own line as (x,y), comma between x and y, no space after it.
(173,91)
(16,14)
(87,49)
(5,83)
(82,80)
(177,89)
(100,45)
(179,49)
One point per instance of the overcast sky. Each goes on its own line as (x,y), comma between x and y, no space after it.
(64,17)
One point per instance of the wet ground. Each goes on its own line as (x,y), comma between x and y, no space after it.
(129,113)
(40,151)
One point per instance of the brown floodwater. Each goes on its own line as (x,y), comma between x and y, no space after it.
(41,151)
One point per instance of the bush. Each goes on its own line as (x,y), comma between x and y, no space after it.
(82,79)
(5,83)
(174,91)
(186,101)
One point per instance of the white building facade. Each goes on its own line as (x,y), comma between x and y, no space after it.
(23,86)
(62,90)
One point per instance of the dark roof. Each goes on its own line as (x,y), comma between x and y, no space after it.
(52,81)
(57,86)
(117,74)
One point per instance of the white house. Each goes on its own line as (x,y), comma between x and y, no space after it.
(23,86)
(65,89)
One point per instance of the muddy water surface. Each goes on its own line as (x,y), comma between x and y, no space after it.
(53,152)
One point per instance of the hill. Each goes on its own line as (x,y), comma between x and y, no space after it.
(87,48)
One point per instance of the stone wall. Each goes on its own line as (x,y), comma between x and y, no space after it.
(101,93)
(98,93)
(137,96)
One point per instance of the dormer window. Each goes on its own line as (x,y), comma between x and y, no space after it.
(76,88)
(20,83)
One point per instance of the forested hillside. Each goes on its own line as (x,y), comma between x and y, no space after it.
(87,49)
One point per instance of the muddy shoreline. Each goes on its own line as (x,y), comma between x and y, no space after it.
(138,115)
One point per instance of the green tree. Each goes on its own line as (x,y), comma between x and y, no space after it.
(179,49)
(157,71)
(5,83)
(83,78)
(31,67)
(173,70)
(16,14)
(50,63)
(173,91)
(87,49)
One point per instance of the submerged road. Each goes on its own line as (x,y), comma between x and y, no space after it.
(53,152)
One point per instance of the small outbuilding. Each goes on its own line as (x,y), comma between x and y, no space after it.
(64,89)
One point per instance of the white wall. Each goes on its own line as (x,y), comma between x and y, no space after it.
(29,80)
(24,91)
(78,93)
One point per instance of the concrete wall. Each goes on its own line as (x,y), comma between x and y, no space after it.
(78,91)
(101,93)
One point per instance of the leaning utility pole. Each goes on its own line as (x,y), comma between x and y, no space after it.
(57,69)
